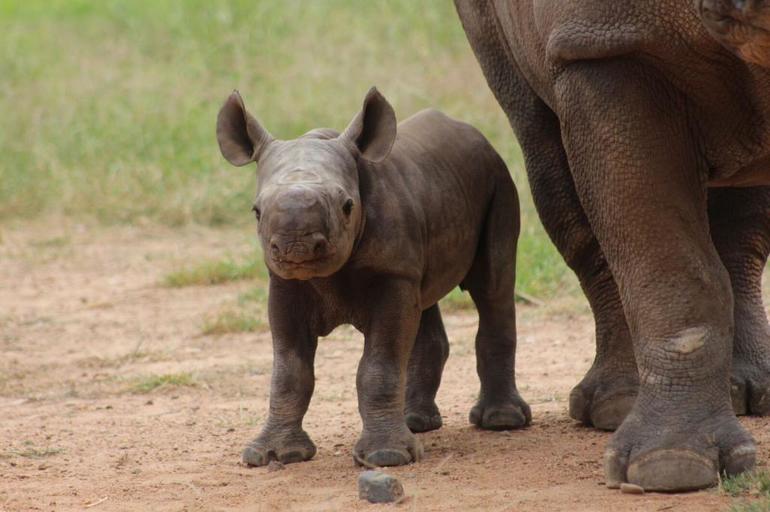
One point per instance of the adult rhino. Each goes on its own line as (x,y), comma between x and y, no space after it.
(629,114)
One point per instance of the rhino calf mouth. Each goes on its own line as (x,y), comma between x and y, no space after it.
(304,270)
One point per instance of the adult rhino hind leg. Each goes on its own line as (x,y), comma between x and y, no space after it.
(426,364)
(640,178)
(607,392)
(740,228)
(491,282)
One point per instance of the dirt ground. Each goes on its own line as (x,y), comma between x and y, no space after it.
(83,319)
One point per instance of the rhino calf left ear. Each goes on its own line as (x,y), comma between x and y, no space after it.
(373,129)
(241,138)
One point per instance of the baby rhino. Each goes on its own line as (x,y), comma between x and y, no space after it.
(372,227)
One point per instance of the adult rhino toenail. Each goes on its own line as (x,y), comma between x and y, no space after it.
(673,470)
(740,459)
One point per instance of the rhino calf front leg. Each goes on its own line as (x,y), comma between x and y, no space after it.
(293,380)
(386,440)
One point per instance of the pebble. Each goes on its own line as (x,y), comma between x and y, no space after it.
(379,487)
(631,489)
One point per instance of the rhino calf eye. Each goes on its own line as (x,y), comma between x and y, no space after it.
(347,207)
(256,212)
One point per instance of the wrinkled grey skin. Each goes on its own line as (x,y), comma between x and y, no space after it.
(740,229)
(372,228)
(627,112)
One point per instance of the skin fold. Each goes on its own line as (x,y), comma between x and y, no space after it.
(637,120)
(372,227)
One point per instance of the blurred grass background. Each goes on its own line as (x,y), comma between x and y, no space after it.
(108,106)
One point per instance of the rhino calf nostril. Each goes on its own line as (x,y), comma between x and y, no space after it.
(274,250)
(320,248)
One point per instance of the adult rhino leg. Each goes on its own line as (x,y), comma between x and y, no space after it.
(641,180)
(491,282)
(740,228)
(608,390)
(426,364)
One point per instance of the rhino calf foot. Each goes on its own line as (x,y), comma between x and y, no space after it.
(388,448)
(509,414)
(750,387)
(285,448)
(423,417)
(604,398)
(664,455)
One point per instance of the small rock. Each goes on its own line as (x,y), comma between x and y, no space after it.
(631,489)
(379,487)
(275,465)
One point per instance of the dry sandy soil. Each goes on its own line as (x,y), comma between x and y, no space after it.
(83,319)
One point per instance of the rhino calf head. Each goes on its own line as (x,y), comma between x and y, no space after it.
(743,26)
(308,205)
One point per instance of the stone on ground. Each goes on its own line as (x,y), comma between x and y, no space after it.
(379,487)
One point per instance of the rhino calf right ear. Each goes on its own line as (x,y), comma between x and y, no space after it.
(241,138)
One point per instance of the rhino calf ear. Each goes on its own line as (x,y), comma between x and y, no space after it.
(373,130)
(241,138)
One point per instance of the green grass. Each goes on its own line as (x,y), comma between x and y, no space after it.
(32,452)
(248,314)
(753,482)
(109,106)
(216,272)
(753,487)
(456,300)
(233,321)
(149,383)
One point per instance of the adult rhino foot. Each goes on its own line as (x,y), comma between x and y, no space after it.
(509,413)
(396,448)
(294,446)
(661,454)
(604,397)
(750,387)
(422,417)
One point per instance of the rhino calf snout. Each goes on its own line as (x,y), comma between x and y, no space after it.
(300,249)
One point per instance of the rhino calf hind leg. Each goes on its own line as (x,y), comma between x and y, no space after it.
(740,228)
(491,282)
(426,364)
